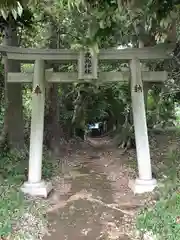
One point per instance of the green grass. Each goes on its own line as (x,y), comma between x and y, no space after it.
(163,219)
(13,205)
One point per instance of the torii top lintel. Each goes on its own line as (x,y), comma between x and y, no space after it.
(160,51)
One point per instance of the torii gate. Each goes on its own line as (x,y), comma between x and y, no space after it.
(87,71)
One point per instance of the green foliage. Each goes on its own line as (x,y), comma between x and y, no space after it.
(163,218)
(11,200)
(161,108)
(12,207)
(13,173)
(144,20)
(12,166)
(11,7)
(25,20)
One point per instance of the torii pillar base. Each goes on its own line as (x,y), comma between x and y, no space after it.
(41,189)
(140,186)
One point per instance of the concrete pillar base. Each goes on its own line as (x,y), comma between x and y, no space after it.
(142,186)
(41,189)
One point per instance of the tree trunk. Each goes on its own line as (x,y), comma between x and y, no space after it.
(79,132)
(14,97)
(110,123)
(2,87)
(3,135)
(172,34)
(53,126)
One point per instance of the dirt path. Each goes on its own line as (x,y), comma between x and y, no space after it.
(92,200)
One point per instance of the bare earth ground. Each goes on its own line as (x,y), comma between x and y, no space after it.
(91,199)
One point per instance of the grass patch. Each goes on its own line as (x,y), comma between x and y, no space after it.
(163,219)
(16,211)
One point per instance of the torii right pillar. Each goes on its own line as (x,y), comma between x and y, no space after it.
(144,182)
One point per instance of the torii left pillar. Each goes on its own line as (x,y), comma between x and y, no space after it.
(35,186)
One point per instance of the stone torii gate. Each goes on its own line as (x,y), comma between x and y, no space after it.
(87,71)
